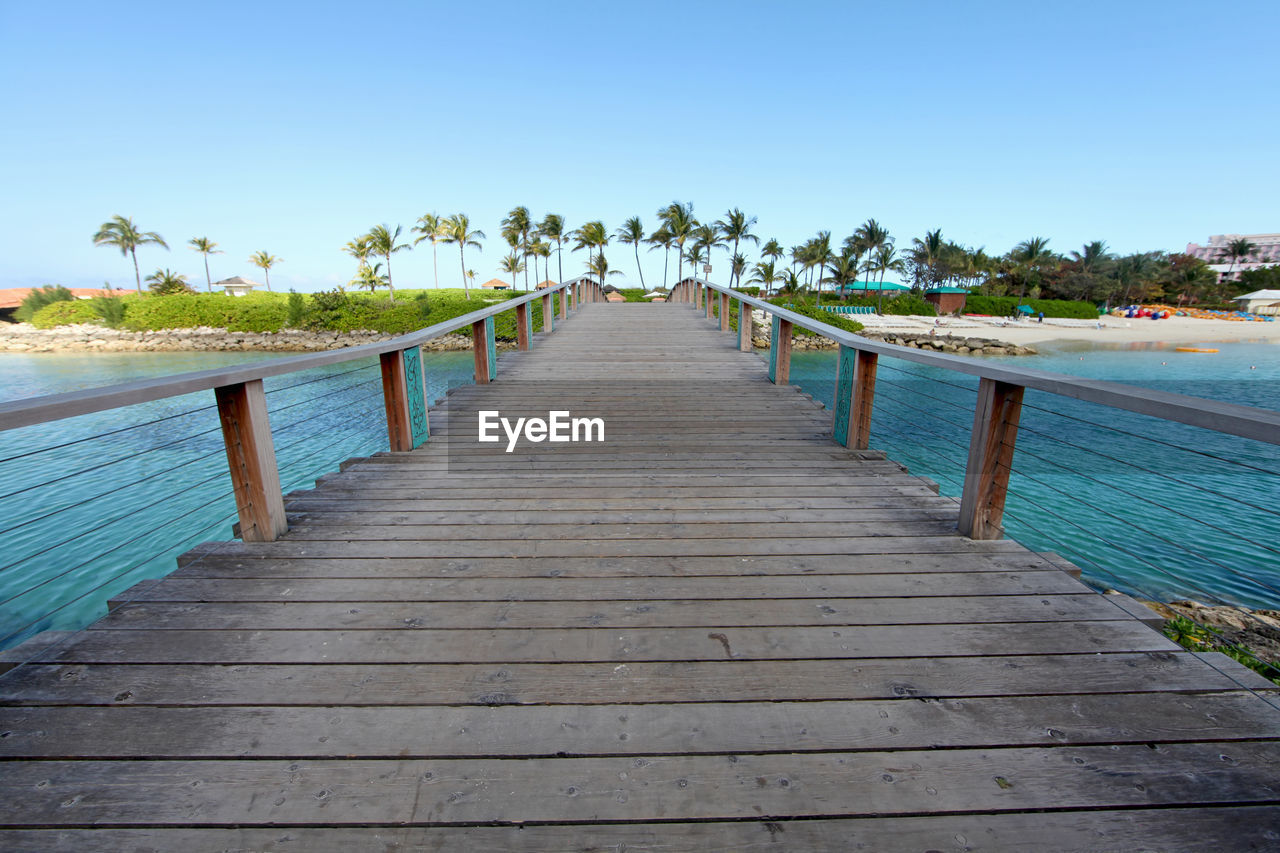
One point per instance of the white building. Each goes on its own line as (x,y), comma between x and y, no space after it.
(1215,254)
(1260,302)
(237,285)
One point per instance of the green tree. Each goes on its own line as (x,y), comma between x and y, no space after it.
(512,264)
(370,277)
(772,250)
(383,241)
(736,226)
(121,232)
(662,239)
(766,274)
(678,219)
(552,228)
(1237,250)
(632,232)
(430,227)
(40,297)
(885,259)
(518,225)
(360,248)
(206,247)
(165,281)
(265,261)
(1031,255)
(871,236)
(707,236)
(592,235)
(457,230)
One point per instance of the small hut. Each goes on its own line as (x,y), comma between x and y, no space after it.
(237,285)
(948,300)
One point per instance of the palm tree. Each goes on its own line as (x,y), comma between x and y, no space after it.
(121,232)
(926,253)
(1237,249)
(518,224)
(360,248)
(695,257)
(470,277)
(457,229)
(736,226)
(370,276)
(765,273)
(512,264)
(632,231)
(818,254)
(592,235)
(383,241)
(552,227)
(166,281)
(772,250)
(737,266)
(1030,254)
(266,262)
(871,235)
(708,236)
(679,222)
(842,270)
(886,259)
(541,249)
(662,239)
(1092,256)
(206,247)
(790,282)
(429,228)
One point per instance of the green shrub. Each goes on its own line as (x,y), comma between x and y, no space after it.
(1003,306)
(38,298)
(297,310)
(110,310)
(838,320)
(251,314)
(64,313)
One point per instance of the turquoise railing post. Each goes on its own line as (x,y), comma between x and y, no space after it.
(416,387)
(491,345)
(780,351)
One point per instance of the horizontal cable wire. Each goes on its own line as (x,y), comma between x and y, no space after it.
(321,378)
(101,435)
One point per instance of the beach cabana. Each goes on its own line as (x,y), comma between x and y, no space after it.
(948,300)
(1259,302)
(237,285)
(874,287)
(496,284)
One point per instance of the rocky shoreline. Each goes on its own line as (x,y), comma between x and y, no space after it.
(1258,630)
(25,338)
(937,343)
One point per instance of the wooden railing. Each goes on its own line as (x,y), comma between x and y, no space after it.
(999,402)
(242,405)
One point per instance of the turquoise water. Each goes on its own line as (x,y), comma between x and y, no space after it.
(90,506)
(1150,507)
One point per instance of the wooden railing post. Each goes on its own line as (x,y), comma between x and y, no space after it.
(564,304)
(246,432)
(745,330)
(548,313)
(780,351)
(484,347)
(855,396)
(523,326)
(697,295)
(405,399)
(708,310)
(724,312)
(986,475)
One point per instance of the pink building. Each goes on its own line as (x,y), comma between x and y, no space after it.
(1215,254)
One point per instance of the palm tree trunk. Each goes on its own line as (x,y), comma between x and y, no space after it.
(560,258)
(390,286)
(462,258)
(435,264)
(637,248)
(208,280)
(666,258)
(137,274)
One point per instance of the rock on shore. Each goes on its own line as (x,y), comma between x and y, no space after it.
(937,343)
(23,337)
(1258,630)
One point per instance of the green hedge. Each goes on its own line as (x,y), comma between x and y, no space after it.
(64,313)
(838,320)
(1002,306)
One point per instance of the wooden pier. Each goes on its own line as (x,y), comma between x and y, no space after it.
(717,631)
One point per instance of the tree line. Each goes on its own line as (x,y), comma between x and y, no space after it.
(858,262)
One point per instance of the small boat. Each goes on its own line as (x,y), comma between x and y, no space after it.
(1193,349)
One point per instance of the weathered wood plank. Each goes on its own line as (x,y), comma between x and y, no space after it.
(536,645)
(692,728)
(651,613)
(415,791)
(1222,828)
(590,684)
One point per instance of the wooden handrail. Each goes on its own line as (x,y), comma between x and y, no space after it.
(242,406)
(999,401)
(1230,418)
(52,407)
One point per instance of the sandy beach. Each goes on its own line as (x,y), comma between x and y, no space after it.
(1114,330)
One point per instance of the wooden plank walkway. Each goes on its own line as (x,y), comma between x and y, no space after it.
(717,631)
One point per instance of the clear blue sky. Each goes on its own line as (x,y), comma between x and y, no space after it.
(293,127)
